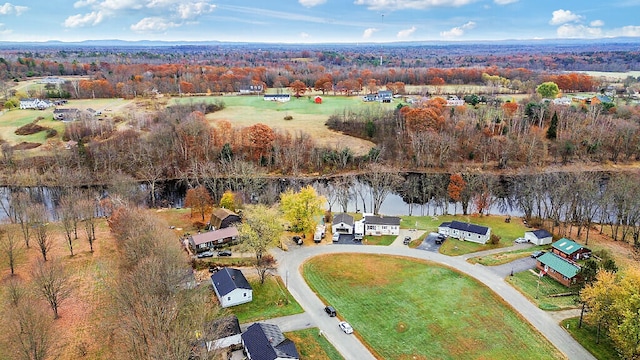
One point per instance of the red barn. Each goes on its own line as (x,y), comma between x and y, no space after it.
(318,100)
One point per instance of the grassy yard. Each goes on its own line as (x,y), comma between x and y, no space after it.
(407,309)
(270,300)
(587,336)
(311,346)
(506,257)
(507,231)
(527,283)
(379,240)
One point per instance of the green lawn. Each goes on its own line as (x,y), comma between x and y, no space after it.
(587,337)
(527,283)
(379,240)
(270,300)
(507,231)
(408,309)
(312,346)
(505,257)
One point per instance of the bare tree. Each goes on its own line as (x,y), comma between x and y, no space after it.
(69,217)
(10,248)
(21,203)
(265,264)
(43,239)
(382,181)
(31,332)
(52,281)
(88,210)
(15,291)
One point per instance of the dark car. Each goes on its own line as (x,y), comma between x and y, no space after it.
(224,253)
(205,254)
(537,254)
(298,240)
(407,240)
(440,239)
(330,311)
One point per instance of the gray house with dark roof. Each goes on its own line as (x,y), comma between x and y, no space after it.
(342,223)
(266,342)
(378,225)
(465,231)
(231,287)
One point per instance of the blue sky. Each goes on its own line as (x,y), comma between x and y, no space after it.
(316,21)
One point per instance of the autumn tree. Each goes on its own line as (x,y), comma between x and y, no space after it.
(264,265)
(455,188)
(199,200)
(298,87)
(228,200)
(260,230)
(548,90)
(30,331)
(302,209)
(9,249)
(259,139)
(52,281)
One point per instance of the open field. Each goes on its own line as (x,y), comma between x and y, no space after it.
(447,316)
(507,231)
(307,116)
(612,75)
(587,337)
(311,346)
(527,283)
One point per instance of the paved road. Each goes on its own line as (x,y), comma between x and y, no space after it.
(351,348)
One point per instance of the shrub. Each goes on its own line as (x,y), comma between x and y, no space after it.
(51,133)
(29,129)
(288,117)
(494,239)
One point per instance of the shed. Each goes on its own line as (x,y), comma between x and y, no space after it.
(222,218)
(317,100)
(231,287)
(538,237)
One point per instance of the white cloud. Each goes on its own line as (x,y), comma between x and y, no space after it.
(304,35)
(504,2)
(564,16)
(193,10)
(10,9)
(368,33)
(81,20)
(153,24)
(627,31)
(596,23)
(458,30)
(311,3)
(403,34)
(410,4)
(578,31)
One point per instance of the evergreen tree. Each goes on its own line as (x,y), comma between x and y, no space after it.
(552,132)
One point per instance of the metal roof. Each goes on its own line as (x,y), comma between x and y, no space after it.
(214,235)
(266,342)
(472,228)
(541,234)
(567,246)
(559,264)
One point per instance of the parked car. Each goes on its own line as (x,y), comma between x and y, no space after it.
(345,327)
(213,269)
(537,254)
(224,253)
(297,239)
(520,240)
(440,239)
(330,311)
(336,237)
(205,254)
(407,240)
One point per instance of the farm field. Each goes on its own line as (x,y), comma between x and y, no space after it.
(307,116)
(446,316)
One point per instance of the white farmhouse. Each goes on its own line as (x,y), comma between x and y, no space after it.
(378,225)
(465,231)
(231,287)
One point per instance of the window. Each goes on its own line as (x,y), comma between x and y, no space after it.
(229,298)
(245,294)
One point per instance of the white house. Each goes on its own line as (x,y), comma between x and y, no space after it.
(231,287)
(342,223)
(277,97)
(267,342)
(378,225)
(35,104)
(563,101)
(250,89)
(465,231)
(538,237)
(453,100)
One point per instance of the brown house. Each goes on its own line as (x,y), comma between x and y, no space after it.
(213,239)
(222,218)
(570,249)
(564,271)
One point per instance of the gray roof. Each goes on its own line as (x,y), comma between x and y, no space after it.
(227,279)
(382,220)
(472,228)
(343,218)
(541,234)
(266,342)
(215,235)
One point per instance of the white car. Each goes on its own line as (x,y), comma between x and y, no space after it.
(345,327)
(520,240)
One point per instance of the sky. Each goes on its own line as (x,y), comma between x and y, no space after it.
(316,21)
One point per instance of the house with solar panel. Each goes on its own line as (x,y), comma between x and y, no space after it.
(465,231)
(562,270)
(231,287)
(263,341)
(569,249)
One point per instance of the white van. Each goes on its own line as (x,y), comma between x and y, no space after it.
(336,237)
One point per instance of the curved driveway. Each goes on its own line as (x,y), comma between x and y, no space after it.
(351,348)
